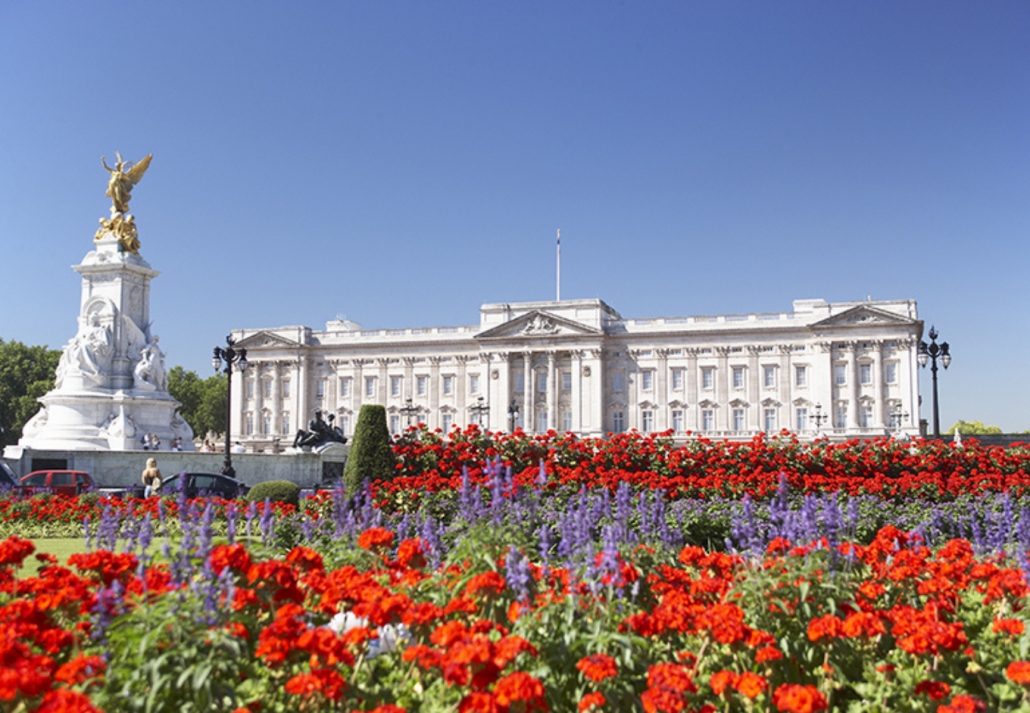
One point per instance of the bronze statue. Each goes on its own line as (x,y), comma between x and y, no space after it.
(319,432)
(124,176)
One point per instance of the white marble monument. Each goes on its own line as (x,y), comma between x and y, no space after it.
(111,387)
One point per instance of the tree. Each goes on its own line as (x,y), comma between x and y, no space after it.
(203,400)
(371,453)
(972,428)
(26,373)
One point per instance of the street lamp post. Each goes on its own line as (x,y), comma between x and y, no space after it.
(408,410)
(930,353)
(513,411)
(819,418)
(230,355)
(480,409)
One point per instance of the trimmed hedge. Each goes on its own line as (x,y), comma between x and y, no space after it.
(276,491)
(371,453)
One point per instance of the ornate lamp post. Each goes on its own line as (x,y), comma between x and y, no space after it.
(930,353)
(513,411)
(819,418)
(480,409)
(408,410)
(231,356)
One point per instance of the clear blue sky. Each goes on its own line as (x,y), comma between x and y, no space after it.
(403,162)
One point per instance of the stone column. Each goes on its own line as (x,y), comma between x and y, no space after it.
(879,393)
(302,391)
(259,401)
(661,390)
(722,389)
(552,390)
(754,386)
(434,393)
(527,393)
(277,424)
(577,390)
(690,379)
(460,399)
(382,387)
(852,377)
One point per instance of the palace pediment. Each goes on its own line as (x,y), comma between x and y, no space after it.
(539,324)
(863,316)
(266,340)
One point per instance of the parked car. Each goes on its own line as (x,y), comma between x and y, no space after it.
(199,485)
(8,480)
(62,482)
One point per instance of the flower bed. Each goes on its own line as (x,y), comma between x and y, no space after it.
(888,626)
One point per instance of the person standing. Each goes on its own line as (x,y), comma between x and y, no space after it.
(151,478)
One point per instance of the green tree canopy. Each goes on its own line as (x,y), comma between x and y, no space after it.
(972,428)
(203,400)
(26,373)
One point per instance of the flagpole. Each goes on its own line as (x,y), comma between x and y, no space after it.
(558,296)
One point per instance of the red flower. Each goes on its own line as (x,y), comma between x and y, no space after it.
(591,700)
(936,690)
(1019,671)
(721,680)
(963,704)
(750,684)
(375,538)
(597,667)
(521,687)
(794,698)
(824,628)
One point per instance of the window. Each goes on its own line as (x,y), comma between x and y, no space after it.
(617,384)
(769,420)
(541,382)
(447,421)
(520,382)
(646,380)
(566,421)
(286,389)
(840,374)
(395,385)
(345,424)
(677,380)
(249,428)
(566,381)
(395,424)
(890,372)
(800,376)
(840,416)
(474,384)
(285,426)
(647,421)
(865,417)
(320,389)
(769,377)
(344,387)
(707,420)
(801,419)
(707,378)
(370,386)
(865,373)
(250,389)
(677,420)
(448,385)
(266,388)
(266,424)
(738,377)
(738,419)
(618,422)
(423,385)
(541,421)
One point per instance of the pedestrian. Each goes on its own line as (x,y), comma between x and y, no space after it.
(151,478)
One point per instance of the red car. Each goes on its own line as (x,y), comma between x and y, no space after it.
(62,482)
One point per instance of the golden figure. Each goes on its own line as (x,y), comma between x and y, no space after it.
(122,227)
(124,176)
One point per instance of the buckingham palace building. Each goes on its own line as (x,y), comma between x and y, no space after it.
(839,370)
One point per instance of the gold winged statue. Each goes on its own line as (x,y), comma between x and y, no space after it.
(124,176)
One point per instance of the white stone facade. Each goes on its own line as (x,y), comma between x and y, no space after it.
(577,365)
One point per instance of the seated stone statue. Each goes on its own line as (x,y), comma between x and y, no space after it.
(319,432)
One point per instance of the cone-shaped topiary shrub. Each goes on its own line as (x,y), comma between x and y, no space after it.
(371,453)
(276,491)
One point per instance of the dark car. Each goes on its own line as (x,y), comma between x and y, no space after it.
(8,480)
(200,485)
(62,482)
